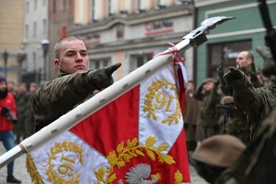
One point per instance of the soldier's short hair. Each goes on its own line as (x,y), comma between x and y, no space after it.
(250,55)
(59,42)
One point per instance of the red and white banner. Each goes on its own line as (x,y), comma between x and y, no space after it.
(138,138)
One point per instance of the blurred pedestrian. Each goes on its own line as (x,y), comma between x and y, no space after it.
(7,109)
(21,105)
(190,117)
(29,115)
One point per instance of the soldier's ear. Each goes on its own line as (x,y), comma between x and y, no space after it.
(57,63)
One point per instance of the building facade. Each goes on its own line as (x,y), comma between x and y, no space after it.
(132,31)
(61,16)
(11,38)
(245,32)
(35,30)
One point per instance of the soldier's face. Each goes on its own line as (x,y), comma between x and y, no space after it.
(242,60)
(73,56)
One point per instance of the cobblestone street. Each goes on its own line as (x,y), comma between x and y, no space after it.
(20,171)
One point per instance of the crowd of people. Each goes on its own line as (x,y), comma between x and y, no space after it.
(222,117)
(230,113)
(16,117)
(22,93)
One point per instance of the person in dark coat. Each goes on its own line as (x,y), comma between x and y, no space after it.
(190,117)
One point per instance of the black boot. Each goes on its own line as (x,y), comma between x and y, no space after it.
(12,179)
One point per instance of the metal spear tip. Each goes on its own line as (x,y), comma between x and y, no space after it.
(211,23)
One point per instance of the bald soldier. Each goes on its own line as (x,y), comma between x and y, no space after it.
(74,84)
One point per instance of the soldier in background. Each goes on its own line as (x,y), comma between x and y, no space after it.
(208,96)
(29,115)
(233,121)
(190,117)
(237,120)
(21,102)
(257,163)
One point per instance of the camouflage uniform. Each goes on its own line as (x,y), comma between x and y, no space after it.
(208,114)
(255,102)
(55,98)
(59,96)
(21,101)
(234,121)
(237,122)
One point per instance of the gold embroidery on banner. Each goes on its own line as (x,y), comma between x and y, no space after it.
(66,164)
(159,100)
(131,150)
(31,168)
(178,177)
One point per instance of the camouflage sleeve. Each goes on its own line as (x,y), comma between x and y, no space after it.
(57,97)
(226,90)
(246,97)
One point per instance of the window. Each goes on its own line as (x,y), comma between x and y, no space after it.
(109,8)
(35,4)
(34,29)
(93,13)
(27,31)
(139,60)
(54,6)
(225,53)
(27,7)
(99,63)
(120,31)
(63,5)
(34,61)
(44,2)
(44,26)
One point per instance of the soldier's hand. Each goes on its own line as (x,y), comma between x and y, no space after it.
(233,76)
(269,63)
(102,77)
(220,71)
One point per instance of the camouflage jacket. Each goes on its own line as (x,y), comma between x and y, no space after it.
(57,97)
(249,72)
(255,102)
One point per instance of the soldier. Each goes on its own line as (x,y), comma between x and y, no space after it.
(245,63)
(21,102)
(233,121)
(255,102)
(74,84)
(209,98)
(29,116)
(190,117)
(256,163)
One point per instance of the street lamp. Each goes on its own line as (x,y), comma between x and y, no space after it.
(21,56)
(5,56)
(45,48)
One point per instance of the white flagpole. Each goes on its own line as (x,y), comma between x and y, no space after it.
(70,119)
